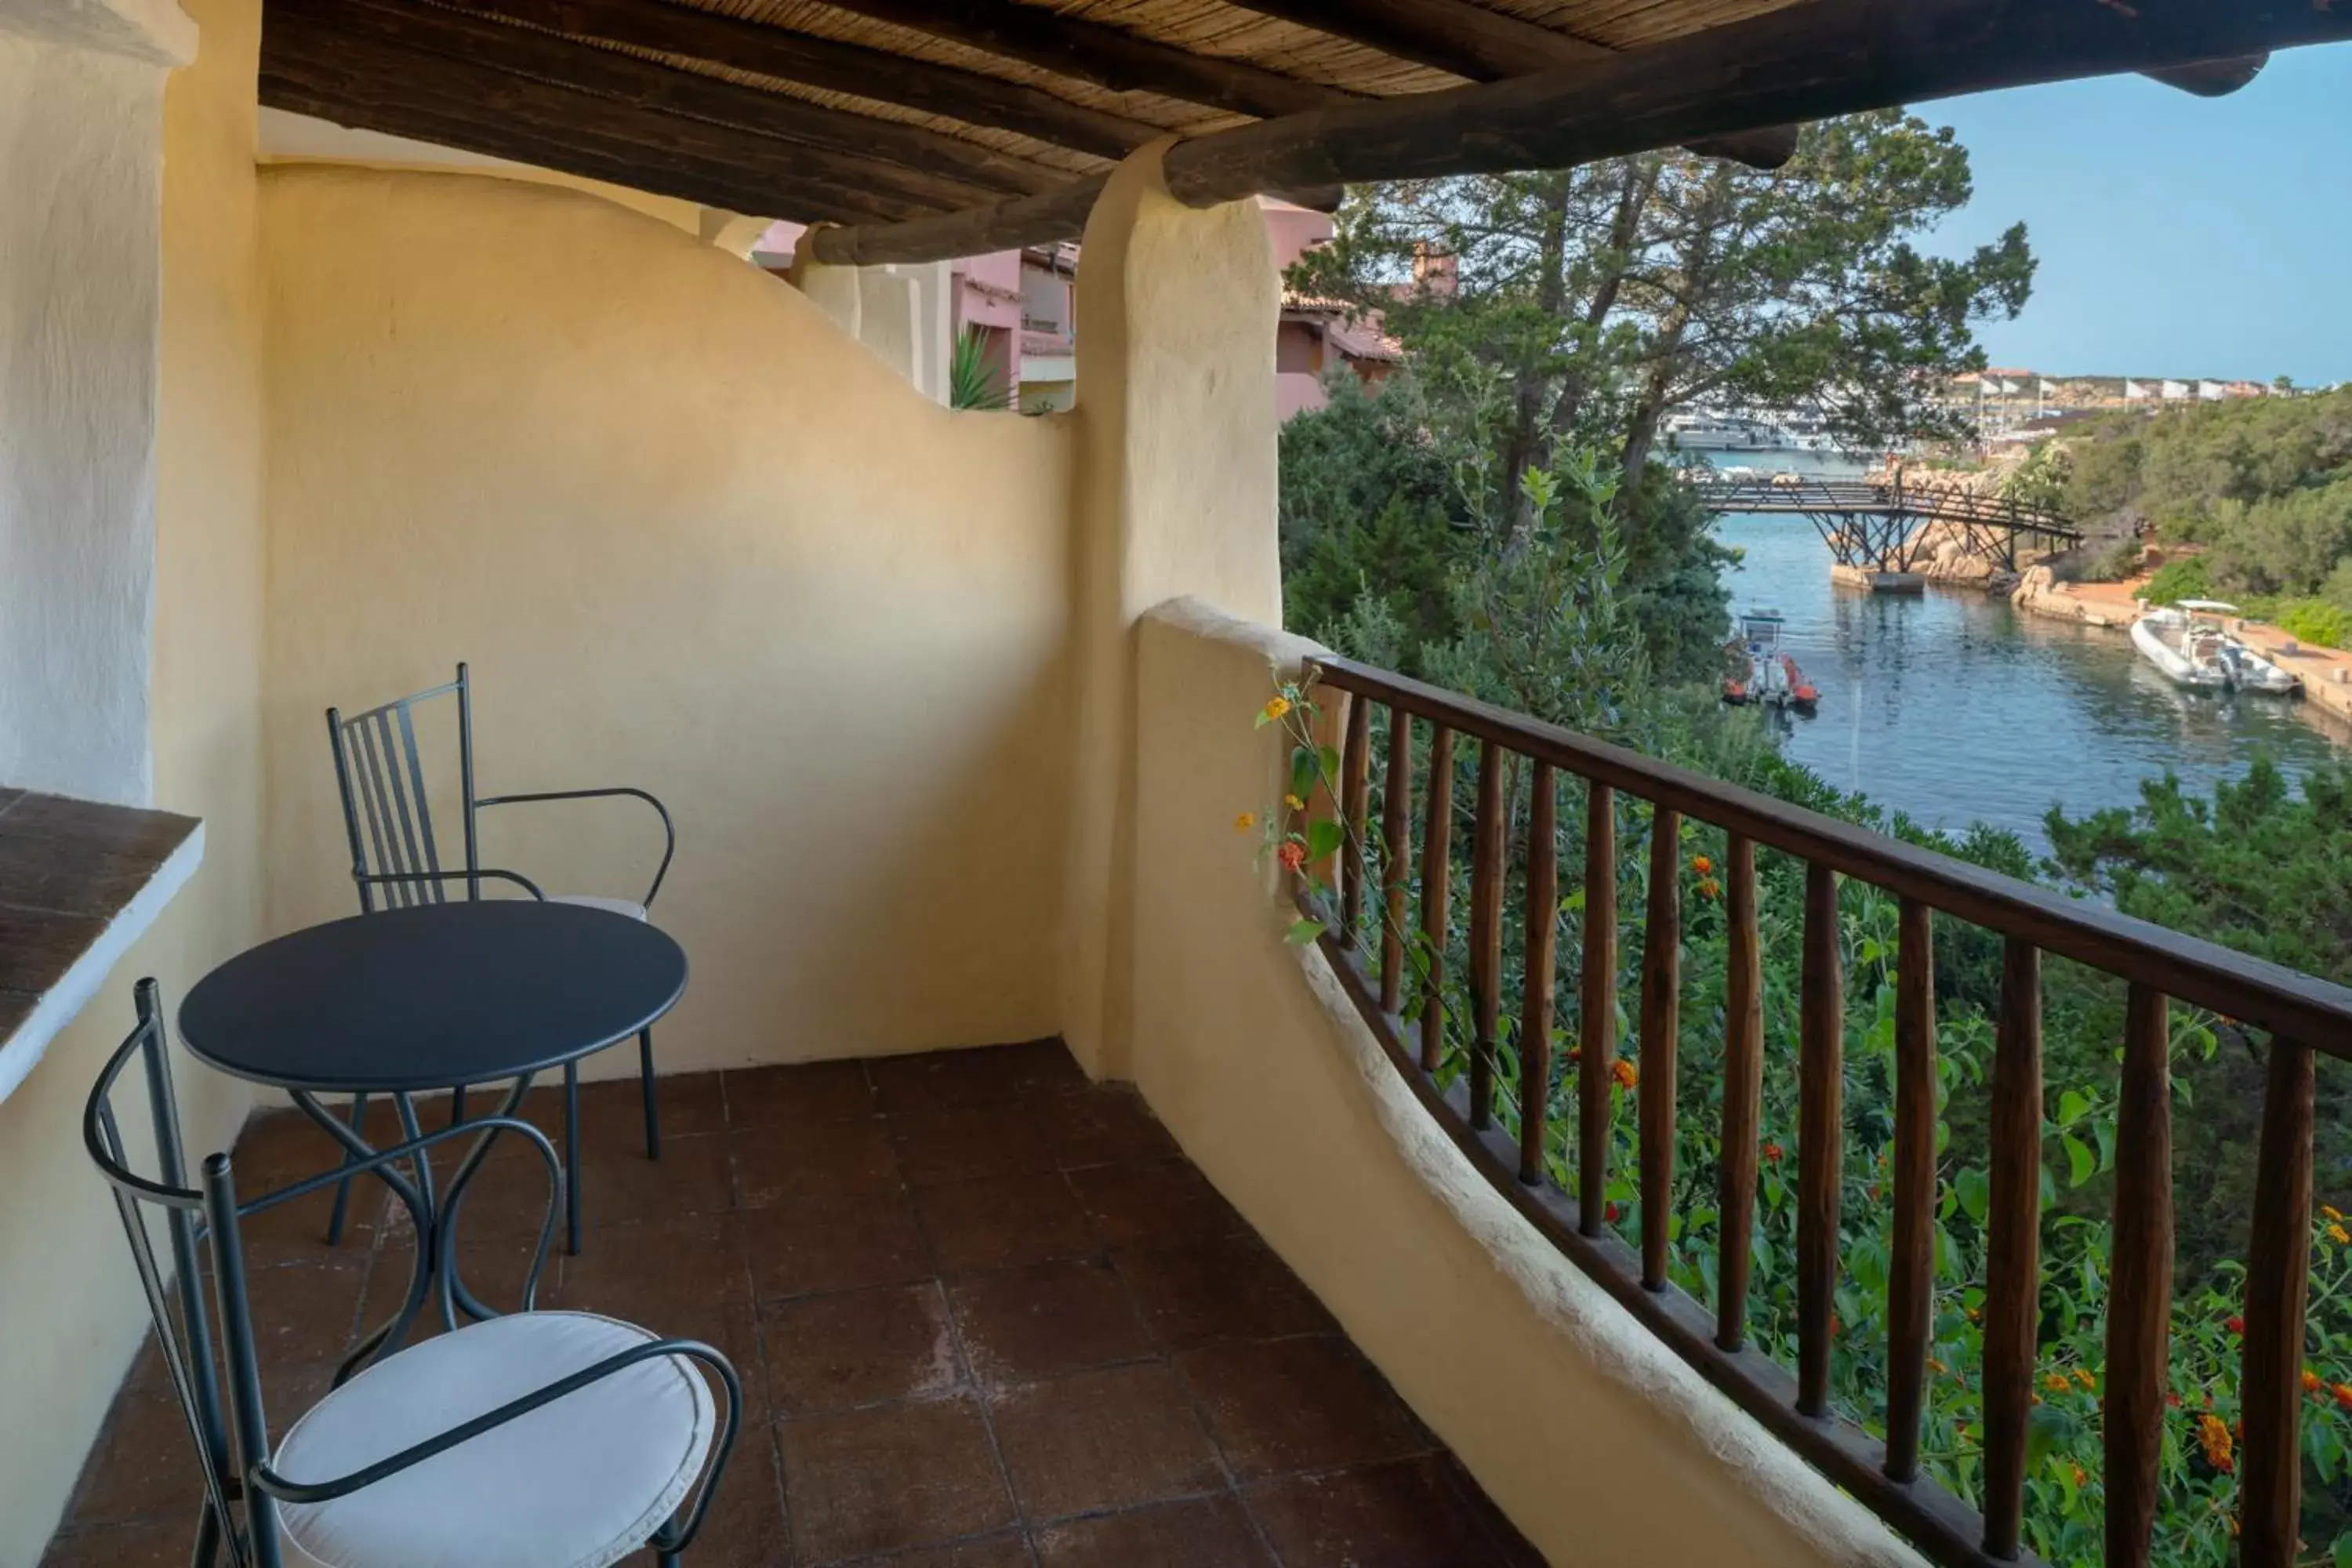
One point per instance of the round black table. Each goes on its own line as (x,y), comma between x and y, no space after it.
(434,996)
(430,997)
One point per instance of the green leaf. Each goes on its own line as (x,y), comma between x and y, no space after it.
(1330,759)
(2080,1161)
(2342,1550)
(1975,1192)
(2073,1106)
(1324,838)
(1305,932)
(1302,771)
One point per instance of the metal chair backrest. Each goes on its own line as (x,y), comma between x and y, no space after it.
(185,1345)
(386,811)
(232,1435)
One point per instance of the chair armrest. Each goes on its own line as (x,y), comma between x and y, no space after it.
(270,1484)
(378,878)
(669,830)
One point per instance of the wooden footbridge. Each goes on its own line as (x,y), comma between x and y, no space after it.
(1881,526)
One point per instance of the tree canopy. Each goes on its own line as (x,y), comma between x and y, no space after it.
(1586,305)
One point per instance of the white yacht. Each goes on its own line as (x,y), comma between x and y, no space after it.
(1696,432)
(2191,645)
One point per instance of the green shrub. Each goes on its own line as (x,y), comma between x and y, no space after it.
(2317,622)
(2187,577)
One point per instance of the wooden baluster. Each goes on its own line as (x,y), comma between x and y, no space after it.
(1743,1094)
(1436,893)
(1662,983)
(2012,1307)
(1911,1283)
(1355,803)
(1538,979)
(2278,1276)
(1396,834)
(2139,1290)
(1821,1137)
(1485,931)
(1597,1046)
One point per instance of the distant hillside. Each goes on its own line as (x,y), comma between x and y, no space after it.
(2263,485)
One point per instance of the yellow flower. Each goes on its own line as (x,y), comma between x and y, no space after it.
(2082,1375)
(2339,1234)
(1623,1072)
(1244,821)
(2330,1212)
(1276,706)
(2055,1383)
(1294,803)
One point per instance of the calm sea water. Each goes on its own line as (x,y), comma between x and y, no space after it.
(1955,709)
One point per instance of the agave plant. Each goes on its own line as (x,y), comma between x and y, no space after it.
(974,380)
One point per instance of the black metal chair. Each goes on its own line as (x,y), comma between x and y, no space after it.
(528,1439)
(381,773)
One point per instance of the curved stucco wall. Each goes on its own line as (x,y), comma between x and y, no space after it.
(1602,1446)
(692,538)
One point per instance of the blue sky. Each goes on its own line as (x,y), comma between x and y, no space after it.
(2177,235)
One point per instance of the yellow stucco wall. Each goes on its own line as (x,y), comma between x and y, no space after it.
(1600,1445)
(1176,315)
(70,1312)
(693,539)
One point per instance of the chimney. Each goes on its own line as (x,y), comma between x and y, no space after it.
(1433,271)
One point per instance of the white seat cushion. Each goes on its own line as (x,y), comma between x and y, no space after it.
(590,901)
(578,1483)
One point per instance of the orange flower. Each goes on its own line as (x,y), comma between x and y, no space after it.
(2172,1398)
(2343,1393)
(2330,1212)
(2213,1437)
(1772,1152)
(2082,1375)
(2311,1384)
(1702,864)
(1622,1071)
(2056,1383)
(2339,1234)
(1709,888)
(1244,821)
(1292,856)
(1276,706)
(2081,1475)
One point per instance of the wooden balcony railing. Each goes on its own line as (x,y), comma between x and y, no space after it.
(1392,972)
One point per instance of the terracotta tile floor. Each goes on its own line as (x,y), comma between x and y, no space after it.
(985,1314)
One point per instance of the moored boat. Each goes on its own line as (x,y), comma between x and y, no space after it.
(1759,673)
(2192,646)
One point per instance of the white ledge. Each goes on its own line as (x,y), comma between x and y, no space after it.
(156,32)
(22,1050)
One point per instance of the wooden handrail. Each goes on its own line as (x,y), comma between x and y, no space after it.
(1459,1088)
(2186,968)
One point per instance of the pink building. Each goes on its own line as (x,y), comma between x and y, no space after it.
(1021,304)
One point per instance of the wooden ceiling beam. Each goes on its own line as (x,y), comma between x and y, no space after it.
(297,86)
(2212,79)
(921,165)
(1801,63)
(1107,56)
(359,77)
(1446,35)
(833,66)
(1479,45)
